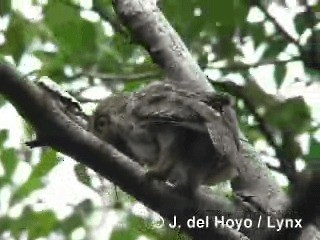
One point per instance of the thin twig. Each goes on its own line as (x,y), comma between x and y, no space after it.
(243,66)
(120,77)
(277,24)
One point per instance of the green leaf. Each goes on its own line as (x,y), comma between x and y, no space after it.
(19,35)
(75,37)
(310,52)
(133,227)
(5,224)
(254,93)
(225,48)
(69,224)
(82,175)
(37,224)
(102,3)
(85,207)
(301,22)
(3,137)
(280,72)
(53,65)
(275,49)
(142,226)
(5,7)
(42,224)
(314,151)
(78,218)
(16,41)
(132,86)
(125,231)
(227,14)
(47,162)
(292,116)
(9,161)
(2,100)
(306,20)
(257,32)
(218,19)
(25,190)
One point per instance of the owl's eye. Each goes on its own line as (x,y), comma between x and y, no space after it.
(101,123)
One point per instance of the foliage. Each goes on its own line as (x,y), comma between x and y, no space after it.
(76,44)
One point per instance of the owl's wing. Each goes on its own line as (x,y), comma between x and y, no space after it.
(221,125)
(222,138)
(161,104)
(164,103)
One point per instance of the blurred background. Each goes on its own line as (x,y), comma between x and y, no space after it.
(266,53)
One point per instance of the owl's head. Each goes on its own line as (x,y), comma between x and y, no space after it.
(108,116)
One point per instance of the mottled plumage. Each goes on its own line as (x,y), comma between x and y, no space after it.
(185,137)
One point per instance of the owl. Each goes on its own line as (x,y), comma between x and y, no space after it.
(183,137)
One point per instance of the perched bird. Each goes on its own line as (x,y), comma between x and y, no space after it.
(188,138)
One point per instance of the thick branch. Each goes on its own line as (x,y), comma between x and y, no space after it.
(154,32)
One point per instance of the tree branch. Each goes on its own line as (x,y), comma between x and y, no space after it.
(276,23)
(151,29)
(244,66)
(120,77)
